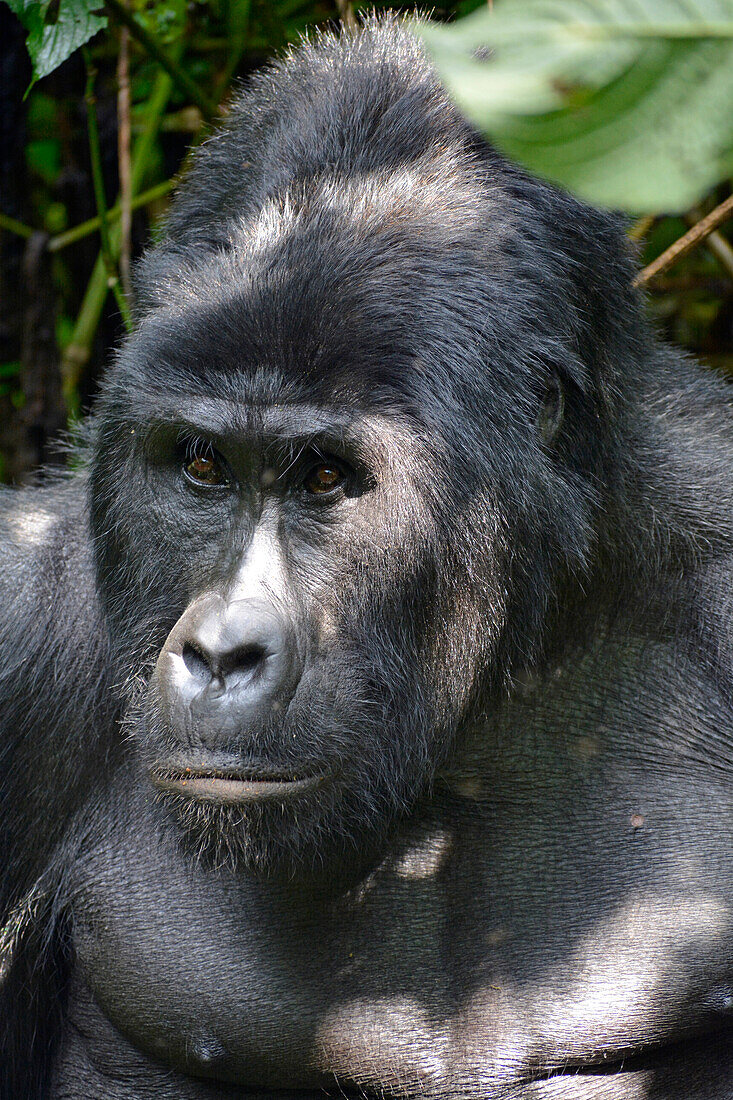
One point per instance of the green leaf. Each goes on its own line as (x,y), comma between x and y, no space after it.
(627,104)
(31,13)
(51,41)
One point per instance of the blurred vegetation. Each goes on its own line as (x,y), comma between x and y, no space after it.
(106,131)
(630,106)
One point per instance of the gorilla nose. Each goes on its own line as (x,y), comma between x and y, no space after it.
(225,668)
(225,662)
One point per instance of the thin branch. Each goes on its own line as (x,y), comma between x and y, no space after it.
(12,225)
(715,243)
(187,120)
(96,159)
(78,232)
(717,285)
(687,242)
(123,159)
(152,47)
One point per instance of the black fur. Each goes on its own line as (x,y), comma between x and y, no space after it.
(532,478)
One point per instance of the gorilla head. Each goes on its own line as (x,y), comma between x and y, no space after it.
(351,461)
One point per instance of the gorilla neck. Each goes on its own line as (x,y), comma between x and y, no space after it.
(672,506)
(666,510)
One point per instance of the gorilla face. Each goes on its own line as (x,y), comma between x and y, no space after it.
(326,515)
(302,636)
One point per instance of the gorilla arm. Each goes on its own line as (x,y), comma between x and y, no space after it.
(55,706)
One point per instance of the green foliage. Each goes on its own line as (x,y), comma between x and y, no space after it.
(164,21)
(627,105)
(56,31)
(44,158)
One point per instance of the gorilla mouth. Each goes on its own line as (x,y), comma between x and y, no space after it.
(232,788)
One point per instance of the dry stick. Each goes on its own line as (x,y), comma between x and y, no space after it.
(96,158)
(123,159)
(687,242)
(153,48)
(715,243)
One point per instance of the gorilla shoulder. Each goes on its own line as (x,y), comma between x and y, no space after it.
(55,695)
(47,570)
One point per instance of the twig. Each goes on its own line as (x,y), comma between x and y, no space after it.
(715,243)
(687,242)
(14,226)
(187,120)
(123,159)
(717,285)
(177,74)
(78,232)
(95,155)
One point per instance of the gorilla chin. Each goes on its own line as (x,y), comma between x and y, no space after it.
(266,837)
(287,813)
(274,830)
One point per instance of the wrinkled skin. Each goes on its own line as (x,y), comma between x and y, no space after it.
(367,722)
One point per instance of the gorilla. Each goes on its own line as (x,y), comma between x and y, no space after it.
(367,691)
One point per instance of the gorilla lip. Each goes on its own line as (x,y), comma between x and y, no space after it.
(231,788)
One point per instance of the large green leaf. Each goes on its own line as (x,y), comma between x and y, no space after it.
(51,40)
(627,102)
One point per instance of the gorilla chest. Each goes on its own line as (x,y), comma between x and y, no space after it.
(265,985)
(556,946)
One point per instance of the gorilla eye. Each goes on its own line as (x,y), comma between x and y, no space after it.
(202,468)
(324,478)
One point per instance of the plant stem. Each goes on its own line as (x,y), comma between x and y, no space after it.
(641,227)
(76,353)
(96,158)
(12,225)
(689,240)
(238,27)
(153,48)
(123,159)
(78,232)
(346,14)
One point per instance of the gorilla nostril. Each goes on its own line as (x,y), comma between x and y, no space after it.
(246,658)
(196,662)
(205,666)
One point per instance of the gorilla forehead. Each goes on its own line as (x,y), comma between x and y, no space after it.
(371,303)
(336,275)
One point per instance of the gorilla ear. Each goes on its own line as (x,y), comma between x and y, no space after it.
(552,410)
